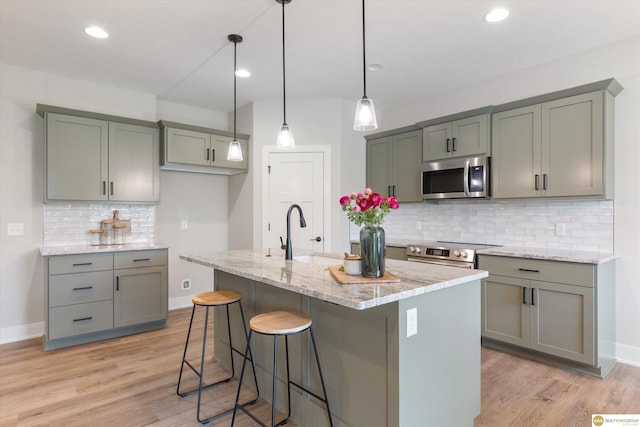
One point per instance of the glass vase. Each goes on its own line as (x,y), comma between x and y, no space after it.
(372,251)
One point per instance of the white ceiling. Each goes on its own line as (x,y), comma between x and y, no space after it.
(178,49)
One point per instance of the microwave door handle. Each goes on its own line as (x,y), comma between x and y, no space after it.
(466,178)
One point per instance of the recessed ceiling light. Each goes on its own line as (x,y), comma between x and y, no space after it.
(375,67)
(496,15)
(96,32)
(241,72)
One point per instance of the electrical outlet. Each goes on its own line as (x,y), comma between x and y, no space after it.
(417,225)
(560,229)
(412,322)
(16,229)
(186,284)
(184,224)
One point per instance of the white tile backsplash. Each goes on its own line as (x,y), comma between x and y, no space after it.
(588,225)
(69,224)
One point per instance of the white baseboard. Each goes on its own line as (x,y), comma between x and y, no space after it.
(21,332)
(628,355)
(180,302)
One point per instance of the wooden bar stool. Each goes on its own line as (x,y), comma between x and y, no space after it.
(280,323)
(209,300)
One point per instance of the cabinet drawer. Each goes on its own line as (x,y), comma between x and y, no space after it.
(137,259)
(80,319)
(80,263)
(534,269)
(67,289)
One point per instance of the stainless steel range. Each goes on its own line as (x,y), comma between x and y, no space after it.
(445,253)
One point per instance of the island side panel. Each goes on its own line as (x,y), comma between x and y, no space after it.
(439,376)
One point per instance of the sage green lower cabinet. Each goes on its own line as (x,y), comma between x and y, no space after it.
(87,300)
(393,252)
(376,376)
(561,309)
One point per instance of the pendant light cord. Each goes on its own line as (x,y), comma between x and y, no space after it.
(364,60)
(235,48)
(284,86)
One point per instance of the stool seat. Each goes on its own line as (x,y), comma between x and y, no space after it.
(214,298)
(280,323)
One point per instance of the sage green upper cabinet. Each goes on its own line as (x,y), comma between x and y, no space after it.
(194,149)
(559,148)
(91,159)
(394,164)
(459,137)
(77,158)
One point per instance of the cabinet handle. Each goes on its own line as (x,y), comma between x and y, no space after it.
(537,183)
(533,298)
(79,264)
(83,288)
(453,144)
(448,149)
(529,270)
(111,188)
(207,154)
(104,187)
(117,283)
(213,155)
(83,318)
(142,259)
(524,295)
(544,181)
(388,191)
(394,190)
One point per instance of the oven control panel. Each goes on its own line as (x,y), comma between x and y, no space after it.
(441,253)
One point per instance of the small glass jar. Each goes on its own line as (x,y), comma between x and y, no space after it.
(119,233)
(95,236)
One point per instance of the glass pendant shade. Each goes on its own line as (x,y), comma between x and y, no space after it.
(285,138)
(235,152)
(365,118)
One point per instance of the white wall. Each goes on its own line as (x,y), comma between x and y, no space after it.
(619,60)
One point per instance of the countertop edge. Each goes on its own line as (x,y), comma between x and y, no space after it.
(102,249)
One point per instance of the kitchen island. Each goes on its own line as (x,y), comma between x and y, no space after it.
(399,354)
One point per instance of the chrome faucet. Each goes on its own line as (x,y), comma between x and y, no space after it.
(287,247)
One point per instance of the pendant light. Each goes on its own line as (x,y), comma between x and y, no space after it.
(235,149)
(365,118)
(285,137)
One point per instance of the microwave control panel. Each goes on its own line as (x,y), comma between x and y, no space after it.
(476,178)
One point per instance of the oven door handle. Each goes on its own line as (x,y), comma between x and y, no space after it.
(466,178)
(445,263)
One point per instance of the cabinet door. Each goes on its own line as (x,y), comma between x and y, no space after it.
(140,295)
(187,147)
(516,153)
(437,142)
(220,147)
(407,151)
(379,164)
(562,321)
(573,146)
(505,310)
(469,136)
(134,163)
(76,158)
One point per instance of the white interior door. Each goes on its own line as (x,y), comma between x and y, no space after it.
(302,178)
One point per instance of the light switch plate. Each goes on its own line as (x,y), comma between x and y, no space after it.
(15,229)
(412,322)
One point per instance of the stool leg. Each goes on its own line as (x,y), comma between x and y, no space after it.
(275,380)
(253,367)
(324,390)
(204,346)
(184,355)
(244,363)
(230,343)
(286,347)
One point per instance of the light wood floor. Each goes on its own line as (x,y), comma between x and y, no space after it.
(131,381)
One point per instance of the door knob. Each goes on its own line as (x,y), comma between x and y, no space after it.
(316,239)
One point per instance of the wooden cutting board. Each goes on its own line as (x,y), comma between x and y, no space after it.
(345,278)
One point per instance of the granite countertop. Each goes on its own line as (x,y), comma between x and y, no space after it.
(87,249)
(583,257)
(308,275)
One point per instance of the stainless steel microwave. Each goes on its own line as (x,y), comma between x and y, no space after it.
(459,178)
